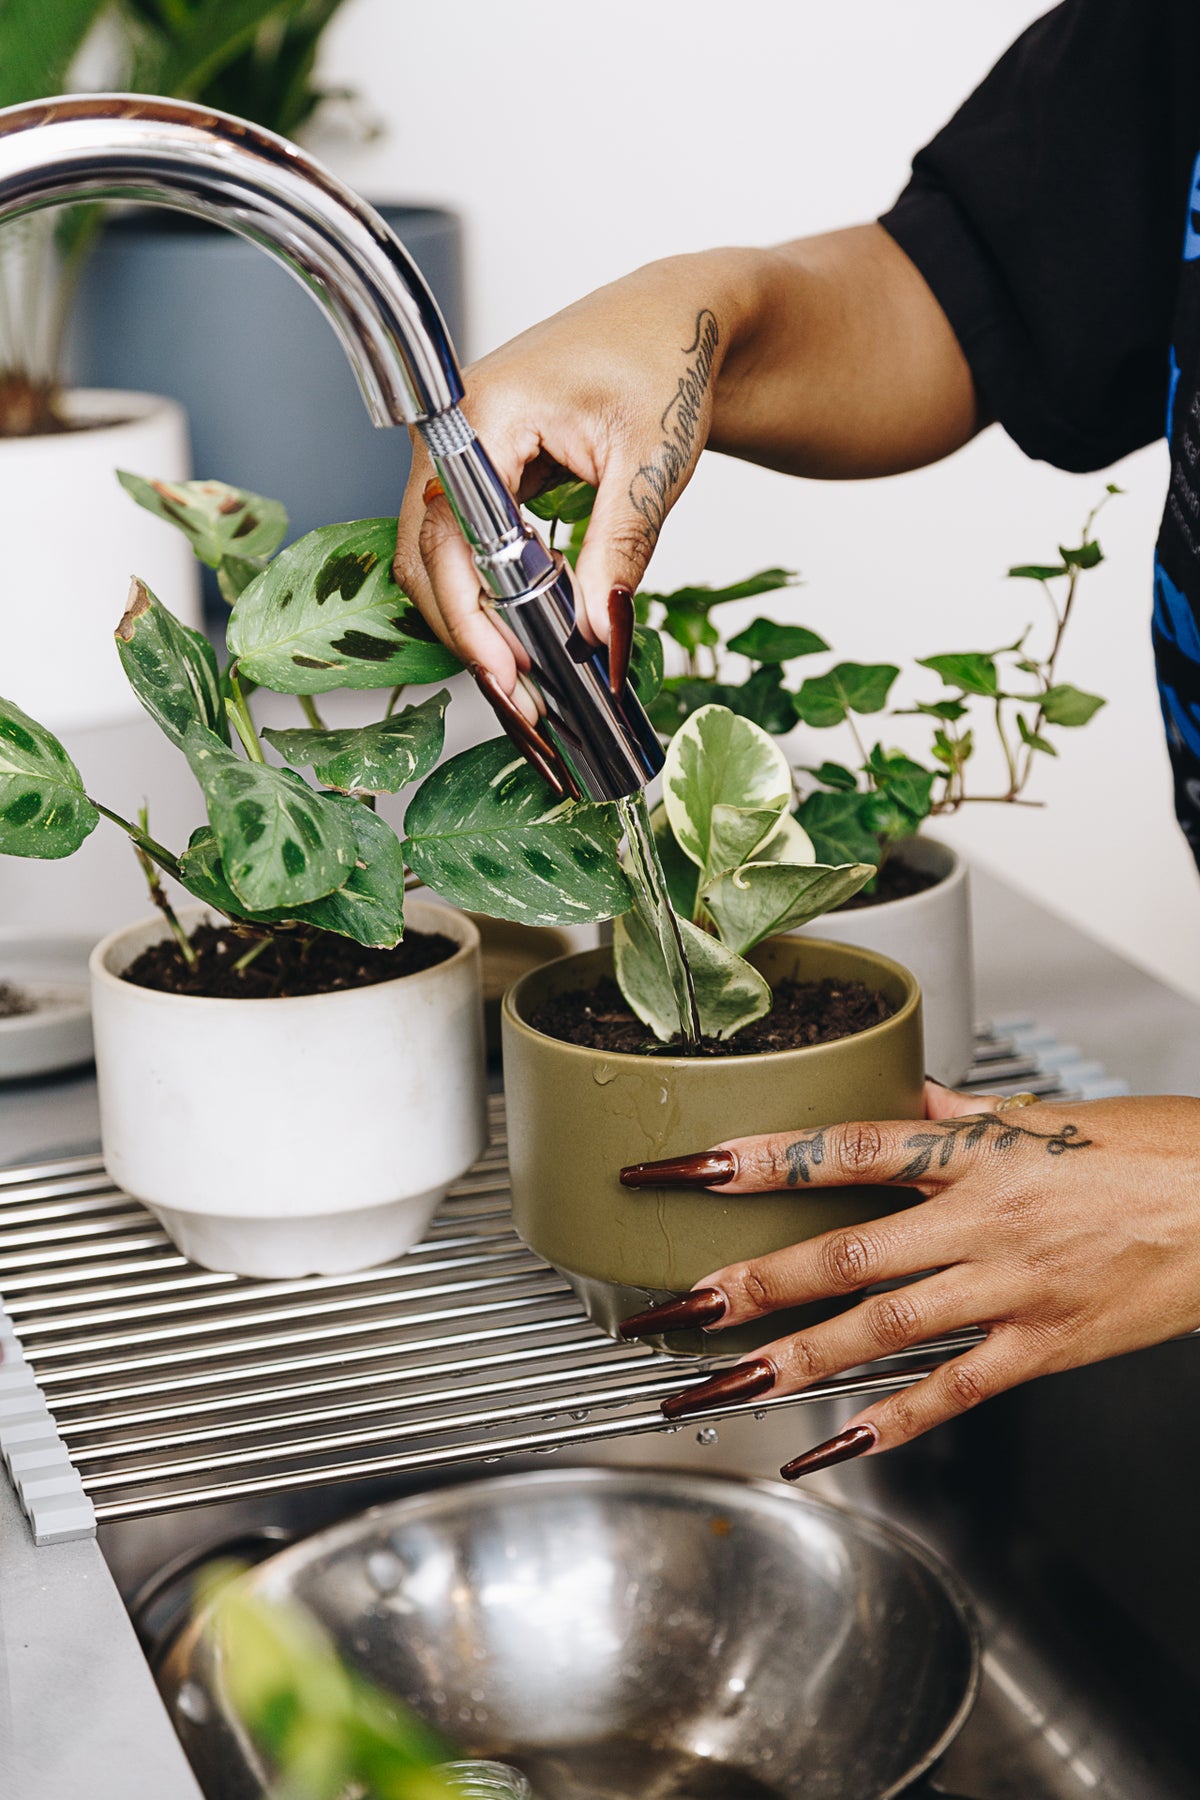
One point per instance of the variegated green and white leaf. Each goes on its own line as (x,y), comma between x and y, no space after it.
(762,899)
(717,758)
(789,843)
(729,992)
(218,521)
(736,834)
(369,908)
(171,668)
(680,872)
(483,831)
(374,759)
(328,614)
(281,844)
(44,811)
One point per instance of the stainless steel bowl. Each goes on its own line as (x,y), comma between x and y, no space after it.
(628,1635)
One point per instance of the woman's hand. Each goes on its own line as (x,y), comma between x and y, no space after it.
(1068,1233)
(617,391)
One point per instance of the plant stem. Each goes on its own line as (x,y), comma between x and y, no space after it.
(243,962)
(239,715)
(393,700)
(143,841)
(1013,783)
(310,711)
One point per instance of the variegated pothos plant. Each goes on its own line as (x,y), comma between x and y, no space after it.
(278,852)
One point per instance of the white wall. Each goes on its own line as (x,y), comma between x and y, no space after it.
(578,141)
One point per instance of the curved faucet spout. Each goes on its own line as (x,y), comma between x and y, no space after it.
(170,153)
(140,147)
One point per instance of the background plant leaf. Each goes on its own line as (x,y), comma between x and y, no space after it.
(374,759)
(218,521)
(171,668)
(1034,739)
(762,699)
(1066,705)
(969,670)
(484,832)
(44,811)
(328,614)
(836,826)
(729,992)
(39,40)
(281,843)
(766,642)
(570,502)
(824,700)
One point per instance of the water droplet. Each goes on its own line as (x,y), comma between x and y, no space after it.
(672,1429)
(192,1702)
(759,1413)
(385,1571)
(707,1434)
(602,1074)
(580,1413)
(489,1459)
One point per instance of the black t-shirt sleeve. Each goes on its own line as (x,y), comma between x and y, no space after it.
(1048,219)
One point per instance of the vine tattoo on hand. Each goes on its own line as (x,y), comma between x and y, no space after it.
(947,1137)
(655,481)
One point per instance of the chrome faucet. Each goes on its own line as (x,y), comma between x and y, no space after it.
(167,152)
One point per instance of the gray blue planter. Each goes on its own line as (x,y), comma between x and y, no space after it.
(171,305)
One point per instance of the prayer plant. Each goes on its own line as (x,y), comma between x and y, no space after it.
(859,806)
(281,854)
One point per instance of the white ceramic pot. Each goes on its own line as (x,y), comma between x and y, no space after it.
(70,539)
(298,1136)
(930,933)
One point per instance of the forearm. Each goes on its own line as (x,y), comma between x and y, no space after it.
(837,359)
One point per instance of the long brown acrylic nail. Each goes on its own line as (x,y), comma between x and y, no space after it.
(707,1168)
(745,1382)
(703,1306)
(838,1449)
(541,755)
(620,636)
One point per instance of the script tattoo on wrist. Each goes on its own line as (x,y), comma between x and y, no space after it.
(655,482)
(942,1142)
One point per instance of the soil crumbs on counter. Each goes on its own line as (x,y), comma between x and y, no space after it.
(13,1003)
(896,880)
(292,964)
(805,1012)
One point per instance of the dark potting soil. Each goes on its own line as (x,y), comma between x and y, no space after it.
(291,964)
(13,1003)
(896,880)
(805,1012)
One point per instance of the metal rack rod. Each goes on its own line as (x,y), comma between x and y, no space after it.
(171,1386)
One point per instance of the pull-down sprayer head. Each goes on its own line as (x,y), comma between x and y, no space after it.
(167,152)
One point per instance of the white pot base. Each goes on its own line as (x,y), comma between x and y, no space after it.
(334,1243)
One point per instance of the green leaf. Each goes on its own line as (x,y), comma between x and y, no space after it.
(171,668)
(484,831)
(763,898)
(889,820)
(716,760)
(766,642)
(218,521)
(689,625)
(763,699)
(1037,571)
(44,811)
(328,614)
(204,38)
(729,992)
(681,696)
(646,664)
(38,44)
(904,782)
(372,759)
(835,824)
(952,710)
(969,670)
(1034,739)
(281,843)
(1085,557)
(1066,705)
(824,700)
(569,501)
(834,775)
(685,612)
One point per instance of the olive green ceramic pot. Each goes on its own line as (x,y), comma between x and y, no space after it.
(577,1116)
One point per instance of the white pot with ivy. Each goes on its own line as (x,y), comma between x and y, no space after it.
(871,802)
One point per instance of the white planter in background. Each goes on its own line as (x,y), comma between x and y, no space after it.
(70,539)
(288,1137)
(930,933)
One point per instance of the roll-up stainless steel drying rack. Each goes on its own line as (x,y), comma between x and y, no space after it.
(133,1382)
